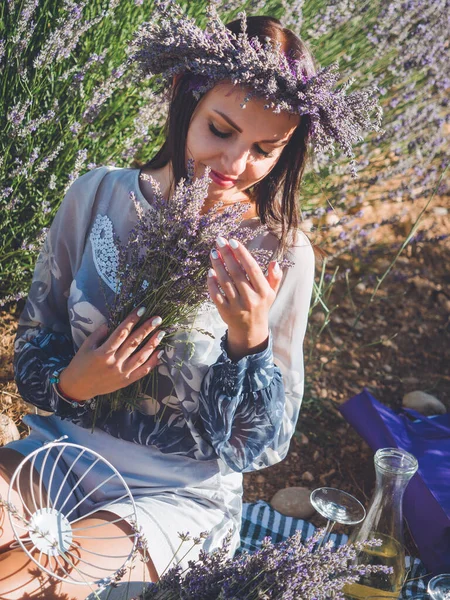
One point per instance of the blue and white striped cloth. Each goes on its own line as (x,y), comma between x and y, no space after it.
(260,520)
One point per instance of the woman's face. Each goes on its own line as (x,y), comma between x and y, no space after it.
(241,146)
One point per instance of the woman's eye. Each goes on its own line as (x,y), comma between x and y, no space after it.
(265,154)
(218,133)
(223,135)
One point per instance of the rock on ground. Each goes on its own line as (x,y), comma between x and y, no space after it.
(293,502)
(424,403)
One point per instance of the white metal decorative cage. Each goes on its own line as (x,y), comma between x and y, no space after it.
(50,530)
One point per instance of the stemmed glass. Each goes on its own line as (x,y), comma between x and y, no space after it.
(439,587)
(337,507)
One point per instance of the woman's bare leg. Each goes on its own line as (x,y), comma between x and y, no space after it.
(20,578)
(9,461)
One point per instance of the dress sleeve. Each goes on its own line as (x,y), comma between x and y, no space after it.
(241,406)
(44,342)
(250,408)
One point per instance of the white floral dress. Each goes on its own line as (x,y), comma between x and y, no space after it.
(183,452)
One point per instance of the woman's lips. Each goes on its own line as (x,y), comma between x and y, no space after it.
(221,179)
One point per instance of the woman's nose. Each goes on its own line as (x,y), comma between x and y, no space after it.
(235,162)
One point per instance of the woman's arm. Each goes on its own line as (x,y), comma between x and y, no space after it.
(43,342)
(249,407)
(242,405)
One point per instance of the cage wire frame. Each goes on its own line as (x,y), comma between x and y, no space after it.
(58,538)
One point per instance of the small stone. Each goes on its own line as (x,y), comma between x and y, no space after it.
(316,455)
(260,478)
(360,287)
(323,347)
(356,363)
(293,502)
(304,439)
(8,430)
(444,302)
(358,325)
(387,368)
(383,264)
(323,478)
(410,380)
(332,219)
(424,403)
(441,211)
(338,341)
(323,393)
(318,317)
(307,476)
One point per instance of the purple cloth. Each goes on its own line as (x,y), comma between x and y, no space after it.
(426,502)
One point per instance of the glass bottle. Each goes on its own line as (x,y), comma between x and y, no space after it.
(394,468)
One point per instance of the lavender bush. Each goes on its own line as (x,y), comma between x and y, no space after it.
(59,71)
(288,570)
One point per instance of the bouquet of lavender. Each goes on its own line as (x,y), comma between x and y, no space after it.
(288,570)
(164,263)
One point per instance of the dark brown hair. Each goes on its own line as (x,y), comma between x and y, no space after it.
(275,196)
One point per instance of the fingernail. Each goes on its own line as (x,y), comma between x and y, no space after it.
(160,353)
(141,311)
(221,242)
(156,321)
(234,243)
(214,254)
(211,273)
(160,336)
(276,268)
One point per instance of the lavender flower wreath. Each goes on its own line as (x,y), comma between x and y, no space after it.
(173,44)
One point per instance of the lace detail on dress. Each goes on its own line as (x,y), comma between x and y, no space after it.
(104,251)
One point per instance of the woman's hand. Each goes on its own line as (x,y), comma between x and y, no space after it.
(102,366)
(247,296)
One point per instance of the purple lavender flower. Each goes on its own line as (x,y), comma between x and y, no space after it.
(291,569)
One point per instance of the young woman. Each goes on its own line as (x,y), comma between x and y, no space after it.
(233,407)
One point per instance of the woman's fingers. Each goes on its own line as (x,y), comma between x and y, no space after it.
(146,359)
(250,266)
(136,337)
(125,338)
(121,333)
(214,291)
(224,278)
(244,269)
(274,276)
